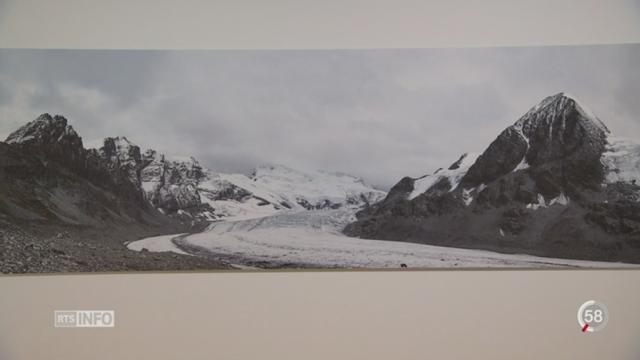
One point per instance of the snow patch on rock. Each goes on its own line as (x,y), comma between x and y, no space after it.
(523,165)
(561,199)
(453,174)
(540,204)
(466,196)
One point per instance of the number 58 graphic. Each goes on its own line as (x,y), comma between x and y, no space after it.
(592,316)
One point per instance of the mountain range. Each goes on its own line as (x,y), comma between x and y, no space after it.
(67,208)
(49,175)
(555,183)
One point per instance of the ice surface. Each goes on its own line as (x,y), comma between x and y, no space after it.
(313,238)
(162,243)
(236,210)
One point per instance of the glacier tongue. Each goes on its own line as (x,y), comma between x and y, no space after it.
(314,239)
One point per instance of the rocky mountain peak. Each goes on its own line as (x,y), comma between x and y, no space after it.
(45,129)
(51,137)
(555,105)
(557,135)
(122,155)
(555,183)
(169,184)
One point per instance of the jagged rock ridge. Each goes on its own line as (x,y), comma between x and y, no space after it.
(147,186)
(184,188)
(47,175)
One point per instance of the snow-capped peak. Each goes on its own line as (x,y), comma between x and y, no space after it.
(273,188)
(558,125)
(312,186)
(552,106)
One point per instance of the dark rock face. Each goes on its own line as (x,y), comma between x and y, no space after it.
(50,136)
(620,214)
(540,188)
(400,190)
(122,156)
(502,156)
(172,185)
(229,191)
(557,138)
(456,165)
(47,175)
(91,201)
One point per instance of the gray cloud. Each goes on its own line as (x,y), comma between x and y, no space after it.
(379,114)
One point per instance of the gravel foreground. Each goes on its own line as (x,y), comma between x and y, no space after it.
(51,249)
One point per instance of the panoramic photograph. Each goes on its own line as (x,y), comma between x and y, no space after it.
(444,158)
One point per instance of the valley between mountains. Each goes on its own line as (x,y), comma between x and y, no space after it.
(554,189)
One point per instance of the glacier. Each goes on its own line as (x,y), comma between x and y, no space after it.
(313,239)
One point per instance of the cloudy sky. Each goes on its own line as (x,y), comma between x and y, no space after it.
(378,114)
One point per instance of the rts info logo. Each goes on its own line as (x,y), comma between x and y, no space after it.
(84,318)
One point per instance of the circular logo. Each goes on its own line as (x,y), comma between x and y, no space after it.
(592,316)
